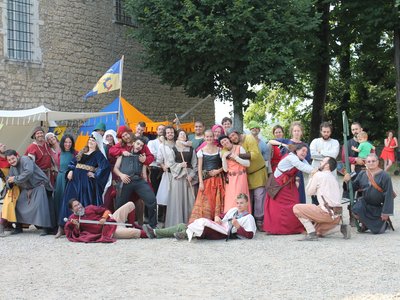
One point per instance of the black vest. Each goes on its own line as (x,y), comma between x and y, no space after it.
(211,162)
(131,166)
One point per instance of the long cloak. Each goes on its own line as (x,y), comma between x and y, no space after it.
(32,205)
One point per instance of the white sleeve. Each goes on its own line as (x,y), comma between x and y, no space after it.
(303,166)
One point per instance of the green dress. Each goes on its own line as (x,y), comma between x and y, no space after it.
(61,181)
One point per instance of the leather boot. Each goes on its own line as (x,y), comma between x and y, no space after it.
(2,234)
(352,220)
(17,229)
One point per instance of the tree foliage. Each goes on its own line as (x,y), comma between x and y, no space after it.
(223,47)
(362,73)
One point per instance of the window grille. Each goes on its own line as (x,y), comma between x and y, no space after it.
(19,29)
(121,17)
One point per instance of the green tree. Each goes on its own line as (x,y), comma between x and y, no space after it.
(224,47)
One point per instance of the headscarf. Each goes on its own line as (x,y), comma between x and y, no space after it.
(113,134)
(99,140)
(216,126)
(49,135)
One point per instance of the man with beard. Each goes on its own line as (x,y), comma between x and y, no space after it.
(265,148)
(32,205)
(323,147)
(325,218)
(155,168)
(353,142)
(124,148)
(132,173)
(164,159)
(39,151)
(77,231)
(256,172)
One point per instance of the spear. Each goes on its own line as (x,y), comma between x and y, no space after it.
(347,162)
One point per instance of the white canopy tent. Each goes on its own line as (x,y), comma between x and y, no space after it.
(16,126)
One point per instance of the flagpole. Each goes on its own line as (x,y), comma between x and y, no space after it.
(120,91)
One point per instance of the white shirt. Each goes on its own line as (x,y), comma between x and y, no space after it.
(292,161)
(153,146)
(320,148)
(325,184)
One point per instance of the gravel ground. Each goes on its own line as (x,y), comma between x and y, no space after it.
(268,267)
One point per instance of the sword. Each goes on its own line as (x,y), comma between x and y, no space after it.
(98,223)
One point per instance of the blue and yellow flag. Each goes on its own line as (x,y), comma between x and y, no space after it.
(110,81)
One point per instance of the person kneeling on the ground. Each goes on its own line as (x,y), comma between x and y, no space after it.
(325,218)
(237,223)
(77,231)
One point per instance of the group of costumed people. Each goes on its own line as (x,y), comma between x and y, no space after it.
(217,184)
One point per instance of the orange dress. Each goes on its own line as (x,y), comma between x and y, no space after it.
(237,182)
(210,202)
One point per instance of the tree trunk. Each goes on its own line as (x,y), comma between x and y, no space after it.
(239,96)
(397,65)
(322,73)
(345,76)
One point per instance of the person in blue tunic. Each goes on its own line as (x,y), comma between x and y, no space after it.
(296,131)
(67,145)
(87,177)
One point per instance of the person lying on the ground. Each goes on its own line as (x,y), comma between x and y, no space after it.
(323,219)
(101,232)
(236,223)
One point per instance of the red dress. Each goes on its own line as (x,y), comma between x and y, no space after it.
(387,152)
(278,213)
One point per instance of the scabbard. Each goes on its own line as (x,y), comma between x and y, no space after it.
(98,223)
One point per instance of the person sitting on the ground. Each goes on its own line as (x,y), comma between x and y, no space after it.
(325,218)
(236,223)
(77,231)
(33,204)
(375,204)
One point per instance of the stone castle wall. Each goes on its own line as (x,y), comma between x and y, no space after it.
(78,42)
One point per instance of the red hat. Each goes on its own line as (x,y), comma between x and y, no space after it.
(122,129)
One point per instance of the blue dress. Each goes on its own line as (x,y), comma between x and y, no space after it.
(302,192)
(87,190)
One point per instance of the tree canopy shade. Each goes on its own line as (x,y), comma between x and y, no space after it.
(223,47)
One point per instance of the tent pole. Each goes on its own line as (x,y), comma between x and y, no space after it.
(120,91)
